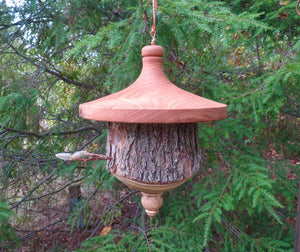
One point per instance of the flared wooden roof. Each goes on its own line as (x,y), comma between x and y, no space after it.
(152,98)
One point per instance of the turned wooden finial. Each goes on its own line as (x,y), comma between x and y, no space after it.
(152,203)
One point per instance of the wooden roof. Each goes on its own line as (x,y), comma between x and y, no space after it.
(152,98)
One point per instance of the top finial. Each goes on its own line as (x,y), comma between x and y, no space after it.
(152,51)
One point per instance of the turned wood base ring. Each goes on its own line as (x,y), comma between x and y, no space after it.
(150,188)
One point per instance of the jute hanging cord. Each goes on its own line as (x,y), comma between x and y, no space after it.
(297,7)
(153,29)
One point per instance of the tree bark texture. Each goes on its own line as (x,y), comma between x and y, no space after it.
(153,153)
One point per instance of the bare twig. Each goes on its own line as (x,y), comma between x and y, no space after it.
(89,141)
(297,227)
(260,65)
(49,133)
(136,214)
(53,192)
(24,237)
(144,232)
(33,189)
(107,211)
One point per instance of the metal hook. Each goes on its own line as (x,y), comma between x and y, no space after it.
(297,7)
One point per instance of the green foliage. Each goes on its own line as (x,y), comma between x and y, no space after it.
(7,232)
(128,242)
(15,108)
(58,54)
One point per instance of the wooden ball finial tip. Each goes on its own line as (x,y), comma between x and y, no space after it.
(152,203)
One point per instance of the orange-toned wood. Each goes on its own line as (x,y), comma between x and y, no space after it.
(152,98)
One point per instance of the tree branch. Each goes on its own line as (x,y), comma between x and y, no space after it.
(24,237)
(47,70)
(107,211)
(53,192)
(33,189)
(30,21)
(48,133)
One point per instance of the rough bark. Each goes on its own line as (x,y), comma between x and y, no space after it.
(153,153)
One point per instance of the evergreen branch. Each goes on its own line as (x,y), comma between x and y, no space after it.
(14,164)
(48,133)
(21,23)
(211,210)
(33,15)
(55,73)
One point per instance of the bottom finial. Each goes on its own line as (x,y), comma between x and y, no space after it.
(152,203)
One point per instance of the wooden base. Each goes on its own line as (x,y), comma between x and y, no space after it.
(149,188)
(152,198)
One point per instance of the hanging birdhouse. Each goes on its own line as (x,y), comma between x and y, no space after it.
(152,138)
(152,132)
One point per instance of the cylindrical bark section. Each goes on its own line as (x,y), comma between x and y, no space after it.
(153,153)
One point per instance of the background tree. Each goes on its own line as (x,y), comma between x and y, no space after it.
(58,54)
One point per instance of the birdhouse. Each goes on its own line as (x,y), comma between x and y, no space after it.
(152,131)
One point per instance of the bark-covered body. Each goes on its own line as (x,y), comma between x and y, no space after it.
(153,153)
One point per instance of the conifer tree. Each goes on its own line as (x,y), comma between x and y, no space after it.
(58,54)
